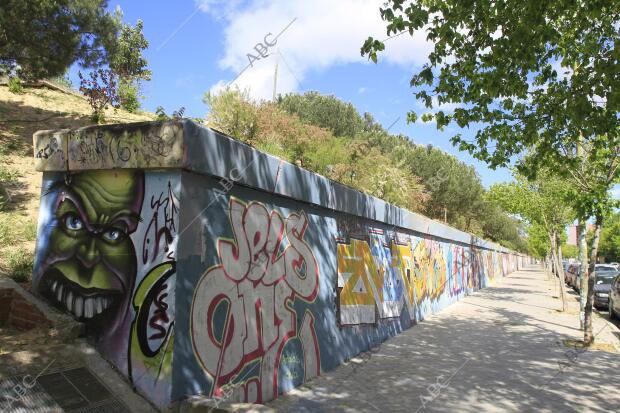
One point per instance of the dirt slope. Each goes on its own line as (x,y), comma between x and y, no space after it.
(20,116)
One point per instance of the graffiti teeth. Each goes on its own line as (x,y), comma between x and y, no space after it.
(78,306)
(89,307)
(69,301)
(59,293)
(99,305)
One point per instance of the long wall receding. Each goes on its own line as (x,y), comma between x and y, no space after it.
(201,266)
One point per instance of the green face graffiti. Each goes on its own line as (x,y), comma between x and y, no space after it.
(91,262)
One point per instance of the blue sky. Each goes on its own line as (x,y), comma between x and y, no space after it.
(197,46)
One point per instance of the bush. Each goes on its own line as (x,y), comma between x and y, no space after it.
(15,85)
(8,177)
(128,96)
(233,113)
(18,264)
(101,90)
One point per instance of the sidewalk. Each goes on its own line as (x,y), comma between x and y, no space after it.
(498,350)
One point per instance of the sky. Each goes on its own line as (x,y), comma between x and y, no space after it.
(198,46)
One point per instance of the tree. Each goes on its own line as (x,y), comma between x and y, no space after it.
(129,64)
(328,112)
(100,88)
(424,179)
(570,251)
(531,76)
(42,38)
(610,239)
(538,241)
(543,203)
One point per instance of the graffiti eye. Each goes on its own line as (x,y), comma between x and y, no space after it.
(73,222)
(113,234)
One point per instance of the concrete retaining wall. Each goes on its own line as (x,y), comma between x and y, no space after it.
(203,266)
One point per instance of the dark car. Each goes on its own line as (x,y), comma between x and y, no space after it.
(614,299)
(602,287)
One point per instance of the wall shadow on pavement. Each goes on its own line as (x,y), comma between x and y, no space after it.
(508,360)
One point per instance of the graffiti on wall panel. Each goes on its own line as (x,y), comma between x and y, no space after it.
(242,314)
(381,275)
(360,283)
(88,266)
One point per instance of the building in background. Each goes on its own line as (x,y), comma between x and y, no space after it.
(573,233)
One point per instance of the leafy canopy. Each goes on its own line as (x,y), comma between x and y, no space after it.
(365,156)
(126,58)
(527,74)
(42,38)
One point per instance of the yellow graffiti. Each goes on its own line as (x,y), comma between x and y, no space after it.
(358,275)
(430,271)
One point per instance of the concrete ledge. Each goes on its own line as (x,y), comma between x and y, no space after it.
(62,326)
(190,146)
(142,145)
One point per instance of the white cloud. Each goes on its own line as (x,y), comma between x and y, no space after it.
(361,90)
(218,8)
(325,33)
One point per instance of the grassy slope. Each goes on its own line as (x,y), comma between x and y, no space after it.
(21,116)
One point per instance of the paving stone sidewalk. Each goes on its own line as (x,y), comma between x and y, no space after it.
(499,350)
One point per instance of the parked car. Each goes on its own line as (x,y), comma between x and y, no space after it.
(602,287)
(605,267)
(598,268)
(614,299)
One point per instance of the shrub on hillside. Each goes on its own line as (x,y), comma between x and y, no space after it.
(233,113)
(18,264)
(15,85)
(101,91)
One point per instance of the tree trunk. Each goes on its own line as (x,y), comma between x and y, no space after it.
(555,266)
(583,281)
(588,337)
(561,272)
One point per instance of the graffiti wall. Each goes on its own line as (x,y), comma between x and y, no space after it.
(279,291)
(200,266)
(106,253)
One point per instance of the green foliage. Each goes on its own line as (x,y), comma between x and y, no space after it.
(610,239)
(126,58)
(42,38)
(101,90)
(232,112)
(544,203)
(161,114)
(546,79)
(328,112)
(538,241)
(364,156)
(8,178)
(128,96)
(455,188)
(18,264)
(15,85)
(129,64)
(570,251)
